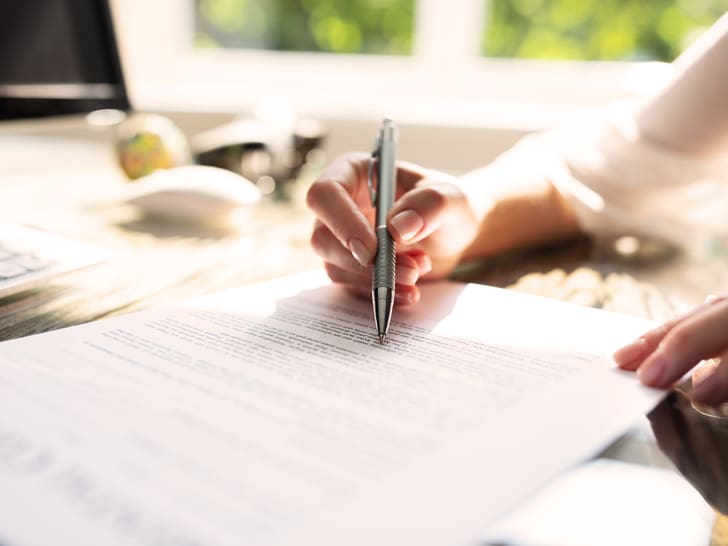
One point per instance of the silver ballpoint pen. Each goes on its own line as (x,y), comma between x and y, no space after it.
(383,163)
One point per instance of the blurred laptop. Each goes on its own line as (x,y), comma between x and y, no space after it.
(58,60)
(30,257)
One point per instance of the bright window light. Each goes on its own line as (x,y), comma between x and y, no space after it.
(510,63)
(351,26)
(591,30)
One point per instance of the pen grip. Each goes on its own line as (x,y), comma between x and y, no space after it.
(385,260)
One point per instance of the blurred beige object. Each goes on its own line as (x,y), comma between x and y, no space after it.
(147,142)
(719,536)
(720,531)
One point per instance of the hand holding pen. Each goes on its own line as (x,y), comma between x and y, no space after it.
(430,221)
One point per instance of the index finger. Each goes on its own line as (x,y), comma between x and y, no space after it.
(340,199)
(631,356)
(697,338)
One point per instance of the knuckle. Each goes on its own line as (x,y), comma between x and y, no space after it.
(436,197)
(679,343)
(333,272)
(358,161)
(317,192)
(355,159)
(319,236)
(340,176)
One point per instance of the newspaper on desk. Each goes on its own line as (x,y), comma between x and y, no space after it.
(271,414)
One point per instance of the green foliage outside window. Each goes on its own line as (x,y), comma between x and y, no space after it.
(335,26)
(614,30)
(535,29)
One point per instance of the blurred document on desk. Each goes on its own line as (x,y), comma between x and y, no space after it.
(270,414)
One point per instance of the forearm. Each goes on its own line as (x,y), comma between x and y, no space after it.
(690,113)
(643,171)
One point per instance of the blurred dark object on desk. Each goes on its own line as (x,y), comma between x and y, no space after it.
(268,153)
(697,444)
(57,58)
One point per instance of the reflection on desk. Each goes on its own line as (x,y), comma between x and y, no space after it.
(606,503)
(698,446)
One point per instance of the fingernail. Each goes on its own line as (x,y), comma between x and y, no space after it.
(359,251)
(652,370)
(704,370)
(629,353)
(407,224)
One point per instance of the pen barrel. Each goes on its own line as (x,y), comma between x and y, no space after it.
(386,172)
(384,262)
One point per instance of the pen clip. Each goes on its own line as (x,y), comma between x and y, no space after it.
(370,171)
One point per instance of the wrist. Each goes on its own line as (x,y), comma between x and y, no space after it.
(516,206)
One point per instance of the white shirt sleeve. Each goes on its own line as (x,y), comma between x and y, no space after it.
(659,168)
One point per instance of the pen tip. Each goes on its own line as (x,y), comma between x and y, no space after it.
(381,338)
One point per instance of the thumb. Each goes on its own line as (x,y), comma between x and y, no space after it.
(421,211)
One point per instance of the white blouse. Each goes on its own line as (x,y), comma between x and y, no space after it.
(658,168)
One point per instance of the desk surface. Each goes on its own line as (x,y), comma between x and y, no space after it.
(69,183)
(73,186)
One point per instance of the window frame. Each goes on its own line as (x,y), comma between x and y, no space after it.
(444,81)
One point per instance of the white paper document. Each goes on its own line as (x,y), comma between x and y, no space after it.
(271,414)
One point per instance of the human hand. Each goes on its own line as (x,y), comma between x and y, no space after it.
(431,222)
(663,355)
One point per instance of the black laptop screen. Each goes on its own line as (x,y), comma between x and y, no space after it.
(58,57)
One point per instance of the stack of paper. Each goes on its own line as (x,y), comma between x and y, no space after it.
(270,414)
